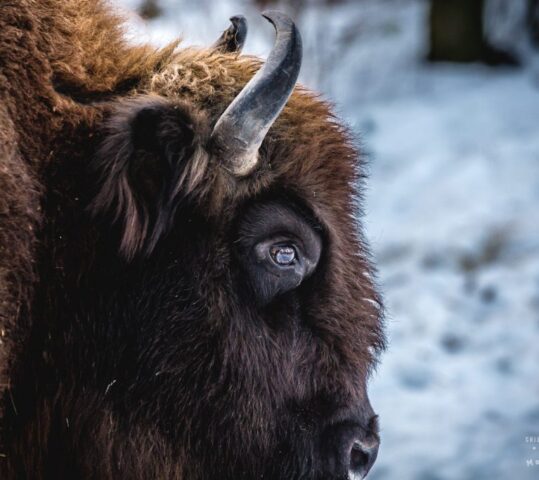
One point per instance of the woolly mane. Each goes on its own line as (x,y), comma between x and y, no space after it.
(55,57)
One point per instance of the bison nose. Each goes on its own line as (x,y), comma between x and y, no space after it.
(349,451)
(362,456)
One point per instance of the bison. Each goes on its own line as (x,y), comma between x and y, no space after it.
(185,289)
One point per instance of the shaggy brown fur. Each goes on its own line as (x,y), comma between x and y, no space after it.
(49,48)
(68,79)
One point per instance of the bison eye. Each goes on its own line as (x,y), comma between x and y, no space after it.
(278,248)
(283,255)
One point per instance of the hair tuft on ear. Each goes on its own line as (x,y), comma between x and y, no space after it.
(152,156)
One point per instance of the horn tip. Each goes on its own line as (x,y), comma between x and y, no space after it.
(240,25)
(233,38)
(236,19)
(277,17)
(239,21)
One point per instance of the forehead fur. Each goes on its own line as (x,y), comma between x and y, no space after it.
(306,151)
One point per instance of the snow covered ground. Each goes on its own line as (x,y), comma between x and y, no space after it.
(452,213)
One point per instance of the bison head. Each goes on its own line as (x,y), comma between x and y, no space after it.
(223,321)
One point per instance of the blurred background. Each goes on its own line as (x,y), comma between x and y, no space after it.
(444,97)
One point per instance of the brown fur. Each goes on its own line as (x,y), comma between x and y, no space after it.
(45,47)
(63,65)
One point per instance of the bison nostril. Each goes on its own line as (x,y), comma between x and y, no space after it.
(362,457)
(349,450)
(358,457)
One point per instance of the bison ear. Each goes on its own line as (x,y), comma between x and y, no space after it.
(150,158)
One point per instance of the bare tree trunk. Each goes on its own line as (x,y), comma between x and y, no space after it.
(533,21)
(150,9)
(456,30)
(456,34)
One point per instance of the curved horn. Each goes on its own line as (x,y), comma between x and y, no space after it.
(233,38)
(242,127)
